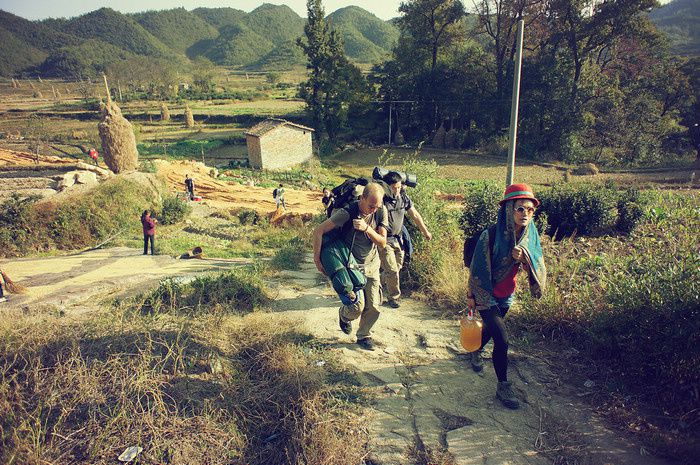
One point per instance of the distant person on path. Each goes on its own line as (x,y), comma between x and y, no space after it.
(392,256)
(493,271)
(149,231)
(328,200)
(278,194)
(94,155)
(362,225)
(189,186)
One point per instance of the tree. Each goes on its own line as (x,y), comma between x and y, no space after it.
(334,83)
(431,24)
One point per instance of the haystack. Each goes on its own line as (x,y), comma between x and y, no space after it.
(38,94)
(587,169)
(452,139)
(189,119)
(164,112)
(118,140)
(14,84)
(439,138)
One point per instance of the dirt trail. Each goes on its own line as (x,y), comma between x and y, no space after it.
(426,395)
(74,281)
(227,195)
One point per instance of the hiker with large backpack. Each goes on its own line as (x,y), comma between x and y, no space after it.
(361,226)
(500,252)
(398,204)
(278,195)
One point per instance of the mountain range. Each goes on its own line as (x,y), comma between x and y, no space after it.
(263,39)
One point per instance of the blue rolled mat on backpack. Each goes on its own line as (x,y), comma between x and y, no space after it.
(342,269)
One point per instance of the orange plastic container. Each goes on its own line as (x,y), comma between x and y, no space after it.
(470,332)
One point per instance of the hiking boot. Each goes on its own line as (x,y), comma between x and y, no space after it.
(345,326)
(477,361)
(366,343)
(393,304)
(504,393)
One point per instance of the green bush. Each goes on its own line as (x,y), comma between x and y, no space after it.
(290,255)
(246,216)
(590,209)
(583,210)
(238,290)
(630,211)
(174,210)
(480,207)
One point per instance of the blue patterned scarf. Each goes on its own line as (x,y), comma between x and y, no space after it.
(487,270)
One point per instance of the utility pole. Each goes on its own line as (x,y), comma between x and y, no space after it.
(390,124)
(514,104)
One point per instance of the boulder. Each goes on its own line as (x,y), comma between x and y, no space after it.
(85,177)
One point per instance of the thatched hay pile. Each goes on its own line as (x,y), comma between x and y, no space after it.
(118,140)
(38,94)
(164,112)
(189,119)
(439,138)
(587,169)
(15,84)
(452,139)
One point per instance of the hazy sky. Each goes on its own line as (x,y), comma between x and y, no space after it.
(40,9)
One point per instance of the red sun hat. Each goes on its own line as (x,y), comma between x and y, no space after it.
(519,191)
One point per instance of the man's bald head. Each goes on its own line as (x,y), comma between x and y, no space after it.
(373,189)
(372,198)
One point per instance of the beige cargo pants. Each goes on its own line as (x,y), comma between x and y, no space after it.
(367,306)
(392,260)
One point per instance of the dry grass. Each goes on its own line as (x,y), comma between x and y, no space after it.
(206,388)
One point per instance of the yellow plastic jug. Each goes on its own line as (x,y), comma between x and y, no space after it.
(470,332)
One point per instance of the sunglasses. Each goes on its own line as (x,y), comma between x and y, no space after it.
(522,210)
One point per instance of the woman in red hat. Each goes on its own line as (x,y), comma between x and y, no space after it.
(493,272)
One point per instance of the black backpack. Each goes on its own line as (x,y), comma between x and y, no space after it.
(274,194)
(470,244)
(344,194)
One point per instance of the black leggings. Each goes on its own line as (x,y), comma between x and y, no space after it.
(147,238)
(496,329)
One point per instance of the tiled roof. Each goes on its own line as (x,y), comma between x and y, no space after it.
(269,124)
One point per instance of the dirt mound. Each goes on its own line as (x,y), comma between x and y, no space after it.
(229,194)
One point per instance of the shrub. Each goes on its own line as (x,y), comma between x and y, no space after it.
(239,290)
(290,255)
(246,216)
(630,210)
(583,210)
(174,210)
(480,207)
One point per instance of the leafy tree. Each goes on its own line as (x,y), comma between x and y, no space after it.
(334,84)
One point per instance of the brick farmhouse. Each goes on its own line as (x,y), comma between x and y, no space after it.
(277,143)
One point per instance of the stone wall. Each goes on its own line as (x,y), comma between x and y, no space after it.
(254,156)
(285,146)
